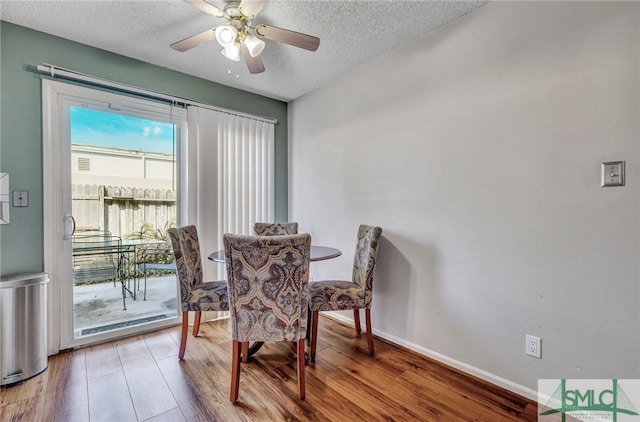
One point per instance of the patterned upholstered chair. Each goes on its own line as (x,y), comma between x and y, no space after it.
(339,295)
(195,294)
(275,229)
(268,280)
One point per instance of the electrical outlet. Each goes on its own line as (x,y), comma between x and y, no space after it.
(532,347)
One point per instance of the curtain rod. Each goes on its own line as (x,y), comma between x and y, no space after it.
(62,73)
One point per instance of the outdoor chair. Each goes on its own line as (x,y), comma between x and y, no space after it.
(96,234)
(97,257)
(268,280)
(158,259)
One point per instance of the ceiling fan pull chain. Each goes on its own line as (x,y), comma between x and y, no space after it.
(237,72)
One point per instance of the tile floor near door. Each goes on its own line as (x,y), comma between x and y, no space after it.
(99,307)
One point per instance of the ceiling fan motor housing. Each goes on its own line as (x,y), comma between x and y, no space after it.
(233,9)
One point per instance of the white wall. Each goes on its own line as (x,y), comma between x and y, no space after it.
(478,150)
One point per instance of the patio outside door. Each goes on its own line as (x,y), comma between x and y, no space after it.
(118,177)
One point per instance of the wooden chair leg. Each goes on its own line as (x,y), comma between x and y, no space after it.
(183,336)
(300,365)
(245,351)
(369,331)
(235,371)
(308,326)
(356,320)
(314,334)
(196,323)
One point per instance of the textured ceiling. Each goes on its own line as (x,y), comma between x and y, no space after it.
(351,33)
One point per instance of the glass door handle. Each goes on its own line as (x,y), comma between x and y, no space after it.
(69,226)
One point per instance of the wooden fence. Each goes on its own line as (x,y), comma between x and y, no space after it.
(124,211)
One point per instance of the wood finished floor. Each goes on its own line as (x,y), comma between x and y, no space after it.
(141,379)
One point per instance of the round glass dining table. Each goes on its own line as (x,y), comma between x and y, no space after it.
(317,253)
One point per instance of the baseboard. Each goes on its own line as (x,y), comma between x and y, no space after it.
(464,367)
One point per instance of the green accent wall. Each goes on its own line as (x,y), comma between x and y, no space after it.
(21,241)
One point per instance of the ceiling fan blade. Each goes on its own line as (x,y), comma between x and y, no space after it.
(194,41)
(250,8)
(207,8)
(254,64)
(296,39)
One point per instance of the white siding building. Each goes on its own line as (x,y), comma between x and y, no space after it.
(95,165)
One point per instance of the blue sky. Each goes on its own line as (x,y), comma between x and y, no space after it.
(92,127)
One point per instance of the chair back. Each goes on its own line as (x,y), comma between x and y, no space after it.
(186,251)
(268,279)
(364,260)
(97,256)
(275,229)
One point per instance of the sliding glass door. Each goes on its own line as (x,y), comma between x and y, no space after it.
(118,172)
(116,161)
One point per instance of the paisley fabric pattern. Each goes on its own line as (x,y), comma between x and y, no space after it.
(336,295)
(275,229)
(195,294)
(329,295)
(268,279)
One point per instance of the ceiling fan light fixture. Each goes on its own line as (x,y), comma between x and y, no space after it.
(226,35)
(254,44)
(232,52)
(239,37)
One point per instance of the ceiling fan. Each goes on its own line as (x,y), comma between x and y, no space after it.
(240,37)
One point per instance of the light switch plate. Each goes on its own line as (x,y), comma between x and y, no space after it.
(613,173)
(20,198)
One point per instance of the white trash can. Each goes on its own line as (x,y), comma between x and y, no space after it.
(23,327)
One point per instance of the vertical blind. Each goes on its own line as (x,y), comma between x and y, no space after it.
(233,180)
(245,173)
